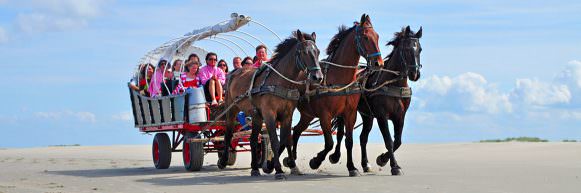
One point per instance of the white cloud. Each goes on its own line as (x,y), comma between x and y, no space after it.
(535,92)
(571,75)
(465,92)
(36,22)
(123,116)
(58,15)
(3,36)
(67,114)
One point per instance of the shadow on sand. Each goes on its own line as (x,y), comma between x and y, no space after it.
(178,176)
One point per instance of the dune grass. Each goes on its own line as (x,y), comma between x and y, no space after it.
(515,139)
(570,140)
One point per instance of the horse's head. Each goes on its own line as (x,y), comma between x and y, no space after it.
(366,41)
(307,56)
(407,45)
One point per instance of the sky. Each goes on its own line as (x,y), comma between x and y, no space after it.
(491,69)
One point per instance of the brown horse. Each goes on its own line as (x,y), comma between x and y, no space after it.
(270,94)
(344,52)
(387,97)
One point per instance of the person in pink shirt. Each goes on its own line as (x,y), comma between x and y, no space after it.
(212,78)
(260,55)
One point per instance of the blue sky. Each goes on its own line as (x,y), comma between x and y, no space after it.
(492,69)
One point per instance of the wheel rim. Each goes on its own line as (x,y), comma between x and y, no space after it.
(186,152)
(155,152)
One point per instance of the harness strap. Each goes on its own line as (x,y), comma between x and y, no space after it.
(394,91)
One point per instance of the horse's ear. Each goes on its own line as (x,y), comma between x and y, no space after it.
(368,19)
(314,35)
(300,35)
(407,30)
(363,19)
(419,33)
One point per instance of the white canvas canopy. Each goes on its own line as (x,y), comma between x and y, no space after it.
(182,46)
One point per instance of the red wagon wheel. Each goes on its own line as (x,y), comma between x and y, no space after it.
(161,151)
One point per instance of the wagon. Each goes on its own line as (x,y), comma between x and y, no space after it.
(196,128)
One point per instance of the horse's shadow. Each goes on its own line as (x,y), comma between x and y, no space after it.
(209,175)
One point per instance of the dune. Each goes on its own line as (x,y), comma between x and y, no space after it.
(459,167)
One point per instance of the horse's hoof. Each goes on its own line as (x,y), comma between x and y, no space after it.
(354,173)
(221,164)
(380,161)
(254,173)
(296,171)
(314,164)
(396,171)
(286,162)
(367,169)
(279,176)
(334,158)
(266,167)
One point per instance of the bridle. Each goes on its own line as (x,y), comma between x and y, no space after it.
(416,55)
(358,44)
(309,49)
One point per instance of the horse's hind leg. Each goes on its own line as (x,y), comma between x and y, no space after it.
(367,125)
(326,126)
(350,118)
(389,155)
(340,125)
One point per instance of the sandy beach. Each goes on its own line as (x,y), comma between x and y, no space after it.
(462,167)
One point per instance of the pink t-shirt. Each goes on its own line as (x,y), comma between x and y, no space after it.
(206,73)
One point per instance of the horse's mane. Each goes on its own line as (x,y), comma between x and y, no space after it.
(334,44)
(397,36)
(285,46)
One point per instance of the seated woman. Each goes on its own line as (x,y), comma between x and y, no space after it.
(157,81)
(212,78)
(223,65)
(190,78)
(247,62)
(145,73)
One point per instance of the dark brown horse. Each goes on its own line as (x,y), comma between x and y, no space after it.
(387,97)
(270,94)
(344,50)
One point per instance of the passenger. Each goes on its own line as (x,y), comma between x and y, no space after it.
(212,78)
(237,62)
(261,55)
(157,79)
(247,62)
(177,66)
(190,79)
(145,73)
(223,65)
(193,57)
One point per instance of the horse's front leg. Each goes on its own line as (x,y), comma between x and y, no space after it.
(397,132)
(270,120)
(255,147)
(350,118)
(366,129)
(340,125)
(298,129)
(326,126)
(389,155)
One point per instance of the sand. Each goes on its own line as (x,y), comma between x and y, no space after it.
(465,168)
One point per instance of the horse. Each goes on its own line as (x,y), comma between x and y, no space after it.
(341,68)
(389,99)
(274,97)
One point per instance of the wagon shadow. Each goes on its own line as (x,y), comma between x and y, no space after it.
(223,178)
(139,171)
